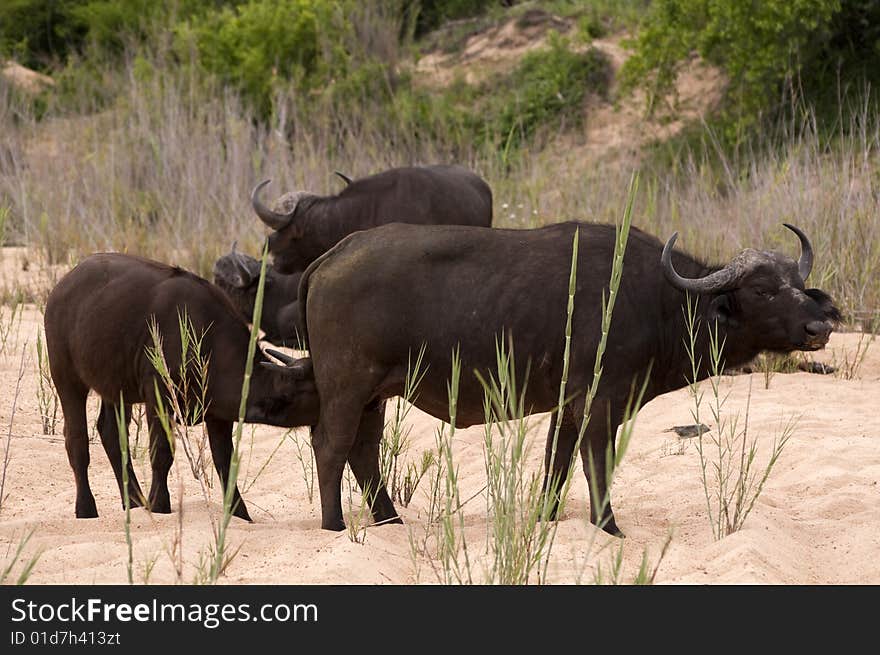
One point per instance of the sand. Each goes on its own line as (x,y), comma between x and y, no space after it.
(817,520)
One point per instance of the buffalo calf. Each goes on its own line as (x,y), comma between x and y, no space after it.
(238,275)
(97,333)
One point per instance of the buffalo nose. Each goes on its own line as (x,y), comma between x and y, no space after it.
(818,329)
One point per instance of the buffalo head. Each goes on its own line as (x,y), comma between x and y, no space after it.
(283,395)
(286,220)
(760,298)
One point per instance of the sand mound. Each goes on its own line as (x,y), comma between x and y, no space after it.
(25,79)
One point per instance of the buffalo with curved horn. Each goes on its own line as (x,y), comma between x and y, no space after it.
(381,295)
(747,260)
(306,225)
(238,275)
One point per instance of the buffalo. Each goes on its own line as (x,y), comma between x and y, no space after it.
(305,225)
(238,275)
(97,325)
(381,294)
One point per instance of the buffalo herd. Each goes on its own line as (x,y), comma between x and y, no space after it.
(396,263)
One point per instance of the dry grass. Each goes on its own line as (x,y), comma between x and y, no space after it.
(167,174)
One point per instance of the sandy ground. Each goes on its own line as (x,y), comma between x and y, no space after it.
(816,522)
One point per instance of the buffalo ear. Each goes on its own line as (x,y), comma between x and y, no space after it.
(277,368)
(721,311)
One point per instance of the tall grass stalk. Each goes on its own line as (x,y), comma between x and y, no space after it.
(4,224)
(413,475)
(550,492)
(645,575)
(360,516)
(395,441)
(222,557)
(519,531)
(122,427)
(28,567)
(614,455)
(47,398)
(729,472)
(186,390)
(306,458)
(452,548)
(263,466)
(850,363)
(8,451)
(175,388)
(8,321)
(614,452)
(621,237)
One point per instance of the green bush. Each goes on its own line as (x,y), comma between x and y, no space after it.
(759,45)
(40,34)
(261,44)
(430,14)
(36,32)
(545,91)
(547,87)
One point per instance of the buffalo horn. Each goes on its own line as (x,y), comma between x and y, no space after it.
(244,274)
(273,219)
(805,263)
(712,283)
(281,357)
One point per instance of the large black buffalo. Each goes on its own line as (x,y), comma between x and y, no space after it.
(306,225)
(97,331)
(379,295)
(238,275)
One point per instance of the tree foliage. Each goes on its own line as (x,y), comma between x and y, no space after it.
(257,43)
(759,45)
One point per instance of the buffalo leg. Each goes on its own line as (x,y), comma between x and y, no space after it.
(76,442)
(161,459)
(332,440)
(557,466)
(363,458)
(220,438)
(597,444)
(108,428)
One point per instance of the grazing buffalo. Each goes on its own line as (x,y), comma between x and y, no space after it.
(97,332)
(306,226)
(238,275)
(379,295)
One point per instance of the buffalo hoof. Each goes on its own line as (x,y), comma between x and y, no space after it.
(336,525)
(611,528)
(242,513)
(87,510)
(160,506)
